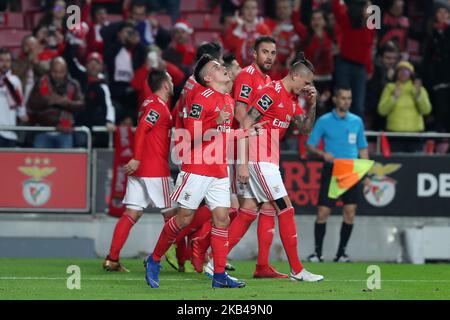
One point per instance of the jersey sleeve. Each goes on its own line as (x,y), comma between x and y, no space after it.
(197,114)
(264,99)
(146,124)
(243,88)
(316,134)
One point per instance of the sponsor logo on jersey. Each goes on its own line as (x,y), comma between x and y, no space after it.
(245,91)
(280,124)
(152,117)
(265,102)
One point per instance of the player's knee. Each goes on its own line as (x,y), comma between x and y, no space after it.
(222,222)
(134,213)
(322,214)
(349,216)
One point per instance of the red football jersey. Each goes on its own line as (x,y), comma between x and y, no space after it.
(208,153)
(247,82)
(152,139)
(190,89)
(278,107)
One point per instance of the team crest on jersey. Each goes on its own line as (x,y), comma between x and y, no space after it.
(265,102)
(196,111)
(245,91)
(152,117)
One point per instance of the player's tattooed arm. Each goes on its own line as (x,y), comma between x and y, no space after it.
(305,122)
(239,111)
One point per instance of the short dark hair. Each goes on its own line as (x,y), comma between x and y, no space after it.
(340,88)
(211,48)
(299,61)
(264,39)
(228,59)
(124,24)
(390,47)
(156,78)
(201,63)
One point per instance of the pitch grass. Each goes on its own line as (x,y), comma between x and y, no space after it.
(47,278)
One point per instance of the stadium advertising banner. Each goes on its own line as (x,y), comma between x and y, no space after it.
(44,181)
(401,186)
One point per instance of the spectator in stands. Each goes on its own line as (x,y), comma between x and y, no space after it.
(53,101)
(27,66)
(240,37)
(11,100)
(181,52)
(283,31)
(384,72)
(317,45)
(355,61)
(154,62)
(404,102)
(395,25)
(149,28)
(170,7)
(54,19)
(123,57)
(99,110)
(436,66)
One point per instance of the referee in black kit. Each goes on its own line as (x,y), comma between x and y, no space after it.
(343,136)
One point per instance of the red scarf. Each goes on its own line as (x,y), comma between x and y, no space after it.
(123,152)
(65,118)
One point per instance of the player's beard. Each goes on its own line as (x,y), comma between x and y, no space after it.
(265,69)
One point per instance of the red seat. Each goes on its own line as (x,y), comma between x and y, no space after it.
(193,5)
(204,21)
(164,20)
(12,38)
(13,20)
(115,17)
(30,5)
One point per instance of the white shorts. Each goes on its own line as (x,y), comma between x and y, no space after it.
(191,189)
(144,192)
(265,182)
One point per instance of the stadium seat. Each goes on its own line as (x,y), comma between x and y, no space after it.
(30,5)
(12,38)
(193,5)
(34,18)
(164,20)
(115,17)
(204,36)
(12,20)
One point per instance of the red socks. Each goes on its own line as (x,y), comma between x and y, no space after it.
(288,234)
(240,225)
(166,238)
(233,214)
(120,236)
(219,246)
(266,230)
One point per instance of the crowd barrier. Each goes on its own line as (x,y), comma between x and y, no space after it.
(79,180)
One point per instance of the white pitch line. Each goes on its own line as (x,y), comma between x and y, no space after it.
(196,279)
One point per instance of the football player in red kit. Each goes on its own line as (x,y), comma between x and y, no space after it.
(247,84)
(276,105)
(149,181)
(201,176)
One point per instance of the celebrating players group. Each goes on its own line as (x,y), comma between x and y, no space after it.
(228,125)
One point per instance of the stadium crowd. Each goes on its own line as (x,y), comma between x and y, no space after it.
(95,74)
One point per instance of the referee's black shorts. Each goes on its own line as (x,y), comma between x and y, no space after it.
(351,196)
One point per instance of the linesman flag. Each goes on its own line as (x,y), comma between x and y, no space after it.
(346,173)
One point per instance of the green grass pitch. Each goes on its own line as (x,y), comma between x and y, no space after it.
(47,279)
